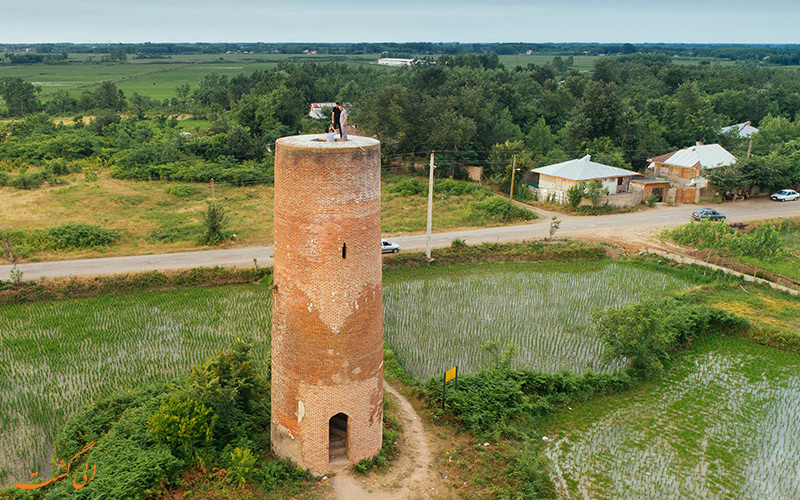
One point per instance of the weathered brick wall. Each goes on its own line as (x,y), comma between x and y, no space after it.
(327,319)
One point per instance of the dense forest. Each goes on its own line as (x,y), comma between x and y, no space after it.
(469,108)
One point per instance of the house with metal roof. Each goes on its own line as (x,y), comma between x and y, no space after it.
(555,180)
(743,130)
(685,167)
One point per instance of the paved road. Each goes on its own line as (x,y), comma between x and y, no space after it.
(606,226)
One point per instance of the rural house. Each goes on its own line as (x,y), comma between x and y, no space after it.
(554,180)
(744,130)
(684,170)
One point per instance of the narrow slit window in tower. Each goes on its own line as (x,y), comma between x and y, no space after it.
(344,250)
(337,438)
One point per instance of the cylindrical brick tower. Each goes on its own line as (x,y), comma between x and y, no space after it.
(327,316)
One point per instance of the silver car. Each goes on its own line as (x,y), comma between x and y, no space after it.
(389,246)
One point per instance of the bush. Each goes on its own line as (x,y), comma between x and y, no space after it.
(214,222)
(74,235)
(496,209)
(648,333)
(26,180)
(145,439)
(651,200)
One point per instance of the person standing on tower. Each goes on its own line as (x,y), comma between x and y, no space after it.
(343,122)
(335,118)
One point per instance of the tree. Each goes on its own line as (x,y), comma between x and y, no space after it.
(726,179)
(19,95)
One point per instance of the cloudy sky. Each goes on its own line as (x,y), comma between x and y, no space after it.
(698,21)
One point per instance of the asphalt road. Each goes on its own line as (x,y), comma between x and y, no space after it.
(636,225)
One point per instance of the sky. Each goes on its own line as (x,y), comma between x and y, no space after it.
(604,21)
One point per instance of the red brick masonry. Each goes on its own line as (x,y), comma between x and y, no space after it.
(327,317)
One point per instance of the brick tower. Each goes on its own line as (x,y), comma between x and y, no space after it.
(327,317)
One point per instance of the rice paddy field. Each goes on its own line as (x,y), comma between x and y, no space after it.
(723,423)
(58,356)
(441,321)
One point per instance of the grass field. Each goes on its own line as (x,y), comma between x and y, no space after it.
(722,423)
(157,78)
(156,216)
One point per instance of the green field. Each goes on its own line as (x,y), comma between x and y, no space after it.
(722,423)
(64,354)
(440,321)
(157,78)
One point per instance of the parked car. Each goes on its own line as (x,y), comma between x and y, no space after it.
(786,195)
(389,246)
(707,213)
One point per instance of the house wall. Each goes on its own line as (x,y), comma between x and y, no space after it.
(676,174)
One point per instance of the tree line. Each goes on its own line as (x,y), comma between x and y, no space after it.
(470,108)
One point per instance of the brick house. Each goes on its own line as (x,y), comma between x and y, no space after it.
(685,167)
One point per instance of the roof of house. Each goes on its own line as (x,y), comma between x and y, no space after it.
(743,129)
(582,170)
(698,156)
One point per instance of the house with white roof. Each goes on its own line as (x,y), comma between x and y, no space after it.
(685,167)
(744,130)
(555,180)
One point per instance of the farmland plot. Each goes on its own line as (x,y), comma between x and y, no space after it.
(59,356)
(437,323)
(722,424)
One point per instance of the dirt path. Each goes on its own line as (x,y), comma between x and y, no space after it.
(411,475)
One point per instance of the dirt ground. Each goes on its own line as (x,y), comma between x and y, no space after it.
(411,476)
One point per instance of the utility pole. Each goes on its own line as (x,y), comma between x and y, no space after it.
(749,148)
(213,196)
(430,212)
(513,171)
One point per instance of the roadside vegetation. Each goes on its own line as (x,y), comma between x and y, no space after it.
(764,248)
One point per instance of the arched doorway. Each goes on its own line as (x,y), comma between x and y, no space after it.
(337,438)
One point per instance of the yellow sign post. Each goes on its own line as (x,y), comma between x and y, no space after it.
(451,374)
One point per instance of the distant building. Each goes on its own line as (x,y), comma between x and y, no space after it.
(745,130)
(392,61)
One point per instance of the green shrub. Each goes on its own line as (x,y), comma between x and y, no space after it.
(242,468)
(90,175)
(182,191)
(497,209)
(575,195)
(651,200)
(529,472)
(183,423)
(75,235)
(649,332)
(214,222)
(27,180)
(409,187)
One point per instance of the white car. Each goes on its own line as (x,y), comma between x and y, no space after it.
(786,195)
(389,247)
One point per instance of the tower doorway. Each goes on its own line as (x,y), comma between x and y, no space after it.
(337,439)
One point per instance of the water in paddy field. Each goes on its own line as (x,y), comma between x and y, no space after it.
(437,323)
(711,431)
